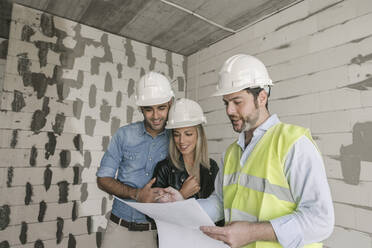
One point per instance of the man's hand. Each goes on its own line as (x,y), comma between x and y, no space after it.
(240,233)
(190,187)
(170,195)
(148,194)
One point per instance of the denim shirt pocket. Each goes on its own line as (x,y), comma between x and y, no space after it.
(133,164)
(129,155)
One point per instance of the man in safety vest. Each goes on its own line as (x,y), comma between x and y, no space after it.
(273,189)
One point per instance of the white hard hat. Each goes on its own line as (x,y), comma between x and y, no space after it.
(153,88)
(242,71)
(185,113)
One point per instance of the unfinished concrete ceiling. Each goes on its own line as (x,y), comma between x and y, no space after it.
(175,25)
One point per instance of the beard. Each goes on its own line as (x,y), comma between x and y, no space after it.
(153,127)
(248,122)
(247,126)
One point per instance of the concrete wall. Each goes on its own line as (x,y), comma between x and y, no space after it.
(319,55)
(3,55)
(66,88)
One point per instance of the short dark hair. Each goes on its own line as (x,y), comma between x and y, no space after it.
(255,92)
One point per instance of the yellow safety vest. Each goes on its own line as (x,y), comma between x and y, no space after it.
(259,190)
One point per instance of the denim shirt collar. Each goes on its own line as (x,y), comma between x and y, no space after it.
(266,125)
(142,130)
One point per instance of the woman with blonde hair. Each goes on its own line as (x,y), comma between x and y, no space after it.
(188,167)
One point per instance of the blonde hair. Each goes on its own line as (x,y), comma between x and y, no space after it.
(201,150)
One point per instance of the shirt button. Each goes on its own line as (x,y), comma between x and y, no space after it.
(147,174)
(150,159)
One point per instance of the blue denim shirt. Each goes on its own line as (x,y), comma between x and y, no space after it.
(132,154)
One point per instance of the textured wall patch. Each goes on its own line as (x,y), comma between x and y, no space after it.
(77,174)
(130,111)
(5,244)
(84,192)
(361,59)
(115,124)
(42,210)
(74,213)
(38,81)
(33,156)
(59,123)
(23,234)
(362,85)
(39,117)
(99,236)
(39,244)
(10,176)
(29,193)
(129,53)
(105,111)
(107,57)
(14,140)
(150,57)
(4,216)
(352,155)
(50,147)
(77,106)
(119,68)
(89,224)
(38,121)
(142,72)
(104,206)
(59,233)
(64,158)
(4,49)
(119,97)
(78,143)
(63,191)
(47,25)
(23,66)
(90,124)
(108,82)
(48,174)
(181,84)
(105,142)
(18,101)
(184,65)
(169,62)
(87,159)
(130,89)
(71,241)
(43,48)
(92,96)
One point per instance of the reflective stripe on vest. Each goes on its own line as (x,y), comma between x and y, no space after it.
(259,190)
(259,184)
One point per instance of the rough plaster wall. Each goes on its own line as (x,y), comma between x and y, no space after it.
(3,53)
(67,88)
(319,55)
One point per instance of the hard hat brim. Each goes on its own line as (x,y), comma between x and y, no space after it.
(152,102)
(184,124)
(222,92)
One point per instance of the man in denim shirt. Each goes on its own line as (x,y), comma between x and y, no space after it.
(127,165)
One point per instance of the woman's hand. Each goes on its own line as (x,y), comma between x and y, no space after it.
(190,187)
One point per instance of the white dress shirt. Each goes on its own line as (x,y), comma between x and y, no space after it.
(313,220)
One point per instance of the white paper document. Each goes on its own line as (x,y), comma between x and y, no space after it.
(178,223)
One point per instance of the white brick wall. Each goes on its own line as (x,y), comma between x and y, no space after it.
(23,149)
(316,51)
